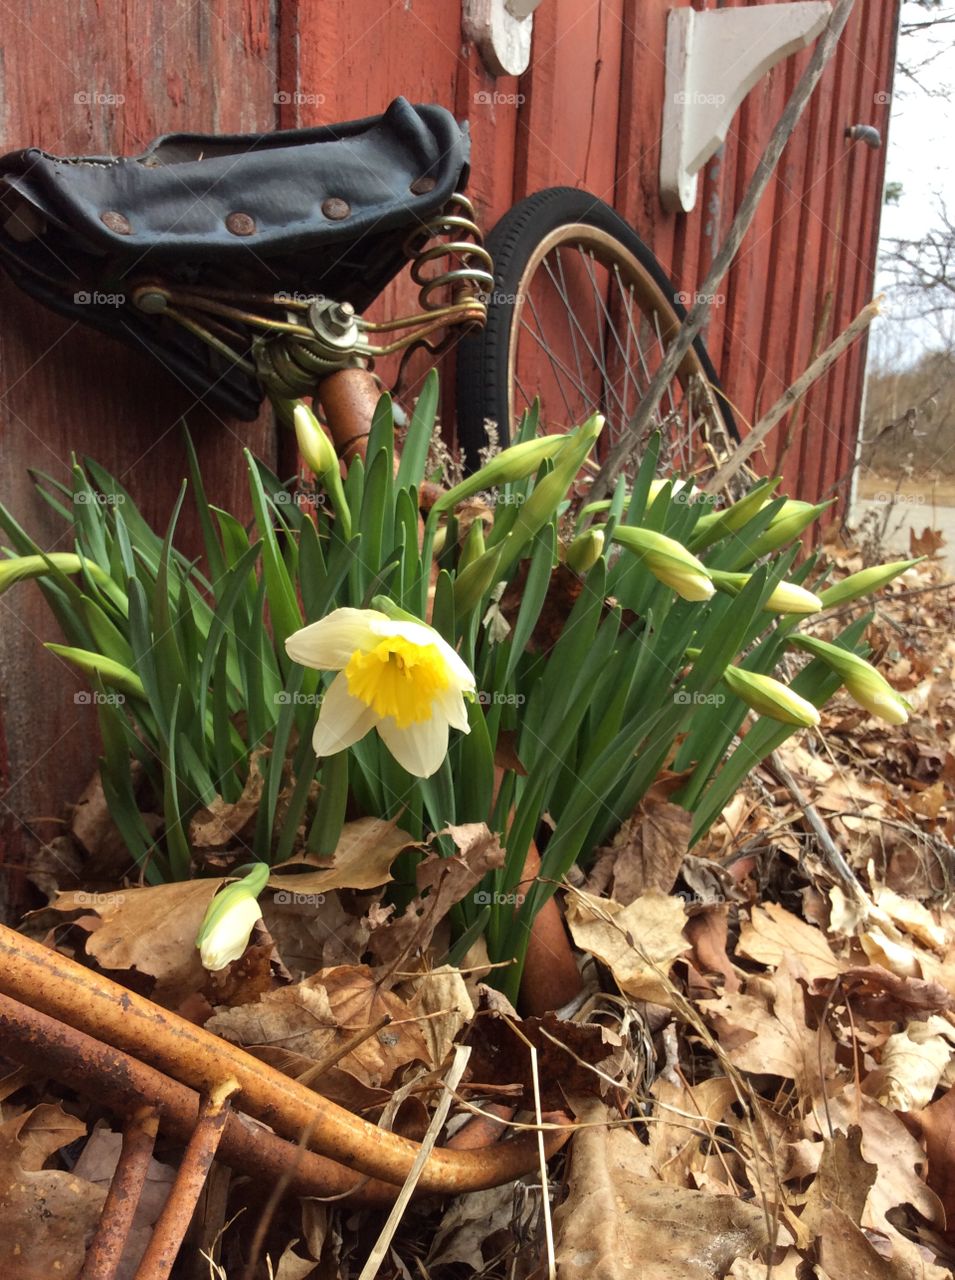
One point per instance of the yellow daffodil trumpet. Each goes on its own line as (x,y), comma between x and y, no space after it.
(229,920)
(396,675)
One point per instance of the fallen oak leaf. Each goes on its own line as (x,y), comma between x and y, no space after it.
(876,993)
(772,932)
(898,1158)
(619,1221)
(638,943)
(768,1034)
(312,1017)
(47,1216)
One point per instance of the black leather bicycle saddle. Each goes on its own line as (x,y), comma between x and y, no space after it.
(306,211)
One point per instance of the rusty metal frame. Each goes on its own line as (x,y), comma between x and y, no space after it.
(159,1070)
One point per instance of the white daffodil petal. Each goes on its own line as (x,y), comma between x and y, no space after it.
(342,719)
(328,644)
(451,705)
(229,936)
(420,748)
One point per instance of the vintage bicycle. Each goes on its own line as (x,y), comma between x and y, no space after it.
(245,264)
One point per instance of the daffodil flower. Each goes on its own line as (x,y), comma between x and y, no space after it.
(229,920)
(396,675)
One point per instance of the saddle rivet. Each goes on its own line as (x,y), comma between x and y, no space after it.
(421,186)
(116,222)
(336,209)
(240,224)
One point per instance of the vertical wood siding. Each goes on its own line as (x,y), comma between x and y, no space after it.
(587,113)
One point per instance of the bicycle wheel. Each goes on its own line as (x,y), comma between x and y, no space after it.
(580,318)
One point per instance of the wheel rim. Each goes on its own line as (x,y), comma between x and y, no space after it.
(589,329)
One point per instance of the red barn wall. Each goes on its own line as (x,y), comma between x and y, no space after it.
(82,77)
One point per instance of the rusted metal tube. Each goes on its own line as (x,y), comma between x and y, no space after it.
(173,1223)
(63,989)
(124,1084)
(348,398)
(125,1191)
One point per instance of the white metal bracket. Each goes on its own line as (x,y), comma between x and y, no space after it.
(502,31)
(713,59)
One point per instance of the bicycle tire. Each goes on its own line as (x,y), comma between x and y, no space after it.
(484,373)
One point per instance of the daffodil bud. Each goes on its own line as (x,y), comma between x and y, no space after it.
(864,583)
(19,568)
(475,581)
(319,452)
(547,496)
(229,920)
(112,673)
(313,444)
(668,561)
(515,463)
(713,525)
(770,697)
(866,686)
(585,550)
(788,523)
(786,597)
(473,547)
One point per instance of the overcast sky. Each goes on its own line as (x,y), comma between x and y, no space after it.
(921,155)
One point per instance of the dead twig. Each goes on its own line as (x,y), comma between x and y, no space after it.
(791,397)
(699,312)
(837,863)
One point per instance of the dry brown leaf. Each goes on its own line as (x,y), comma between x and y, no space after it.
(220,824)
(913,1064)
(362,860)
(619,1223)
(47,1216)
(707,933)
(775,1040)
(787,1268)
(685,1120)
(638,943)
(152,931)
(472,1221)
(442,882)
(844,1180)
(291,1267)
(773,932)
(898,1158)
(913,917)
(937,1125)
(442,995)
(313,1017)
(645,854)
(876,993)
(566,1055)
